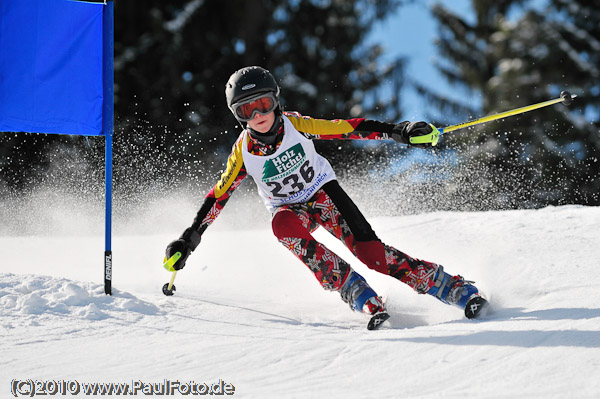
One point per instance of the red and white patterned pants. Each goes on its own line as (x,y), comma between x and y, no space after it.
(332,209)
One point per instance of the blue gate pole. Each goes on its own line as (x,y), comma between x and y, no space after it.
(107,130)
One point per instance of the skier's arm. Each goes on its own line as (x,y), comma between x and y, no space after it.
(362,129)
(214,202)
(218,196)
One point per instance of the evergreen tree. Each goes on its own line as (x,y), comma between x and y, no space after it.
(173,58)
(515,55)
(173,62)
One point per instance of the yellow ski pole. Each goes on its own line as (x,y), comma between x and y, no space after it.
(565,98)
(169,287)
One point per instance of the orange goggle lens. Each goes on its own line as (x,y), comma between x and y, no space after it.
(262,105)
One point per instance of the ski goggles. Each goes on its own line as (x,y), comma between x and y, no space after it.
(262,103)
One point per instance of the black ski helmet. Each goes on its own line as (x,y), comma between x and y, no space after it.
(248,82)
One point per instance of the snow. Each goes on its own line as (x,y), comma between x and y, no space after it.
(249,314)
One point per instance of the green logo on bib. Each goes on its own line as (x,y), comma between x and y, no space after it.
(284,164)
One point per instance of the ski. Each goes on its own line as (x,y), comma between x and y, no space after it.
(377,320)
(476,306)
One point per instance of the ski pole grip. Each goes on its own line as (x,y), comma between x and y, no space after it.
(168,263)
(431,138)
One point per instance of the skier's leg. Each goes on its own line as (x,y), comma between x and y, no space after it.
(430,278)
(338,209)
(292,225)
(292,229)
(337,213)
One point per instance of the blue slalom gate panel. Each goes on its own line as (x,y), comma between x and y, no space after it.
(56,76)
(51,78)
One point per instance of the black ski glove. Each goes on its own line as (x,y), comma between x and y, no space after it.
(416,134)
(186,244)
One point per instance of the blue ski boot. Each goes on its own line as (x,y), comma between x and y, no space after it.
(455,290)
(360,296)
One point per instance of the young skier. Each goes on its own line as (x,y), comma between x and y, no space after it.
(300,189)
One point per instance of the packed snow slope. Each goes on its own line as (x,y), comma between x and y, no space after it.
(248,313)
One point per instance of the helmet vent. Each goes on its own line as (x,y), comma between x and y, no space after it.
(248,86)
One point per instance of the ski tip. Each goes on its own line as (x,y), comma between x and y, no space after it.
(477,306)
(377,320)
